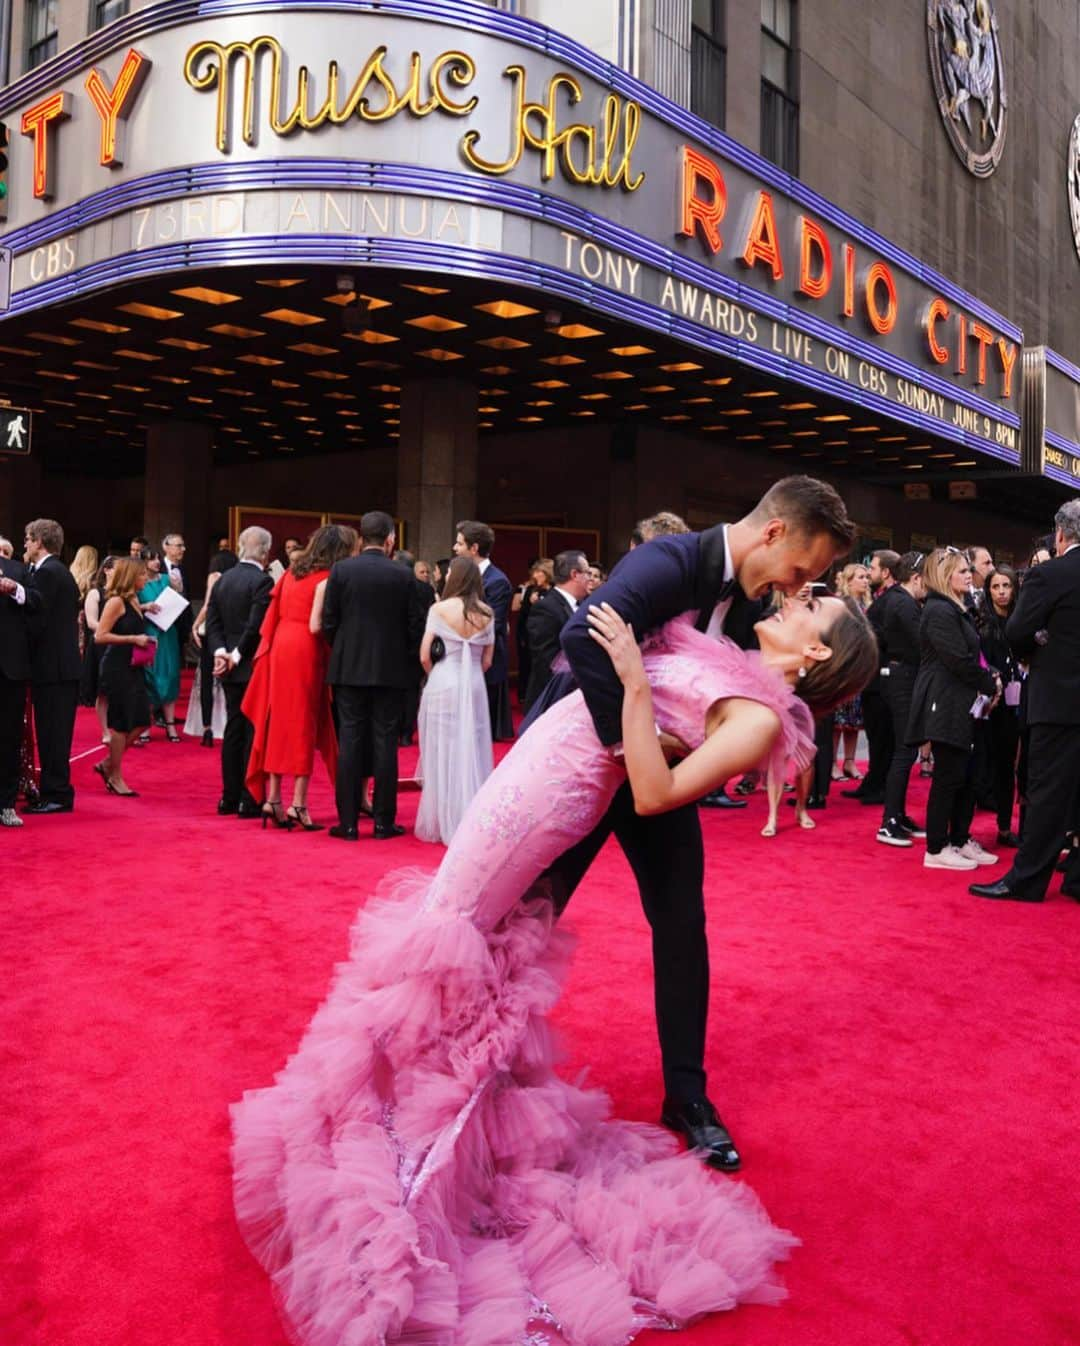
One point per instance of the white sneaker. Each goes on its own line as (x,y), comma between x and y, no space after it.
(948,858)
(9,818)
(974,851)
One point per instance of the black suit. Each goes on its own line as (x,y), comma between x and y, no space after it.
(373,617)
(425,598)
(547,617)
(14,675)
(650,585)
(1045,630)
(237,606)
(55,669)
(498,593)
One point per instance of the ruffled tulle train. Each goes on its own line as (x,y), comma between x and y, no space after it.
(418,1173)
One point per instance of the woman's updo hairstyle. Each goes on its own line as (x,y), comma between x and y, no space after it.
(855,660)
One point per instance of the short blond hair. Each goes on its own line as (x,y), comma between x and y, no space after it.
(939,568)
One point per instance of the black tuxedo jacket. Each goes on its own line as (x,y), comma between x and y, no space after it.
(649,586)
(498,591)
(54,623)
(238,603)
(15,625)
(373,617)
(1050,601)
(547,617)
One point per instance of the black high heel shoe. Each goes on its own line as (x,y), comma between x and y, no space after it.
(274,811)
(302,818)
(170,731)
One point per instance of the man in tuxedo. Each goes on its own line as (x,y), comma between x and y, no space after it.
(795,532)
(410,701)
(238,603)
(476,540)
(1044,629)
(374,620)
(876,715)
(55,665)
(16,604)
(550,614)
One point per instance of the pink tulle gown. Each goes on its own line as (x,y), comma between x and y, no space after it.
(418,1173)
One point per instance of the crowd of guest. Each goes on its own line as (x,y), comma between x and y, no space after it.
(359,646)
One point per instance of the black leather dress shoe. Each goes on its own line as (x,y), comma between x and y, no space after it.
(48,806)
(344,833)
(720,799)
(1001,890)
(813,802)
(249,811)
(224,807)
(705,1133)
(386,833)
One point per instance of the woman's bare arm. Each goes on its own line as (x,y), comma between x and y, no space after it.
(315,620)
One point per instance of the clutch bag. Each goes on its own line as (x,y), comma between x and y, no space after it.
(437,649)
(143,655)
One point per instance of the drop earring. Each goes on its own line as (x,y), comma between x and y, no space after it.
(802,672)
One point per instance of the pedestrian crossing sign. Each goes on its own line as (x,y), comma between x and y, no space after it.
(14,430)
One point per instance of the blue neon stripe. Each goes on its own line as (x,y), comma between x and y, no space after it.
(1062,365)
(463,14)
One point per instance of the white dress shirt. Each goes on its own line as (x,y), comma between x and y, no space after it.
(720,612)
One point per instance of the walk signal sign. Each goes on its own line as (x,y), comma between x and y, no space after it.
(14,430)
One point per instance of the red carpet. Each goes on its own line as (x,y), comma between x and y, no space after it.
(897,1060)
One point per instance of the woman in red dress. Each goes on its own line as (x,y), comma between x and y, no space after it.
(288,700)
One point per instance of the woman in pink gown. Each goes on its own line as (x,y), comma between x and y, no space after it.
(418,1173)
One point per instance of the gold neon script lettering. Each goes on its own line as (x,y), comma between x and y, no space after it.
(373,97)
(588,155)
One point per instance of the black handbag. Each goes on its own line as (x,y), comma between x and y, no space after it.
(437,649)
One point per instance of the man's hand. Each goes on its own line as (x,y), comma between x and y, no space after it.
(673,747)
(7,586)
(221,665)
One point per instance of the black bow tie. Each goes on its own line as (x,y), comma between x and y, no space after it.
(726,590)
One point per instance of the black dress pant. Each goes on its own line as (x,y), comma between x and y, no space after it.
(1053,795)
(12,709)
(823,759)
(55,704)
(368,724)
(236,747)
(206,685)
(666,854)
(951,805)
(982,767)
(879,725)
(899,686)
(1004,725)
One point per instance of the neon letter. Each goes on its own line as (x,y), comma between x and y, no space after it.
(813,238)
(937,311)
(849,281)
(114,105)
(761,242)
(37,122)
(879,274)
(1007,351)
(706,211)
(984,337)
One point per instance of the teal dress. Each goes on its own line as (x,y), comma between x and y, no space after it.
(163,675)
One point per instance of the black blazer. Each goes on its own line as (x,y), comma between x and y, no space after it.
(547,618)
(373,617)
(54,623)
(15,625)
(950,676)
(1049,602)
(238,603)
(498,591)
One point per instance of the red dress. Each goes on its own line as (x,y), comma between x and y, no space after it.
(288,700)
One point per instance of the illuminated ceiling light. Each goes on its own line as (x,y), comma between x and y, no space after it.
(805,434)
(309,348)
(94,325)
(133,388)
(504,308)
(370,338)
(968,462)
(530,419)
(369,301)
(391,420)
(150,311)
(381,388)
(764,392)
(434,322)
(203,401)
(576,331)
(771,425)
(441,355)
(341,397)
(737,411)
(306,419)
(93,364)
(484,425)
(168,378)
(135,355)
(912,467)
(638,406)
(487,411)
(231,330)
(55,374)
(718,383)
(562,360)
(98,397)
(159,406)
(889,460)
(541,402)
(682,416)
(326,374)
(816,453)
(862,429)
(377,364)
(497,370)
(627,352)
(835,444)
(695,401)
(596,397)
(659,388)
(18,350)
(799,406)
(183,345)
(614,374)
(942,455)
(292,402)
(262,360)
(389,406)
(204,295)
(839,416)
(550,383)
(503,343)
(283,383)
(238,392)
(912,447)
(583,413)
(899,439)
(424,289)
(680,368)
(278,284)
(494,392)
(55,340)
(745,439)
(215,370)
(292,317)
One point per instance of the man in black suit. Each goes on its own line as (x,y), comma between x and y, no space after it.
(55,665)
(549,614)
(373,618)
(877,717)
(410,701)
(238,603)
(1044,629)
(173,550)
(476,540)
(16,605)
(794,533)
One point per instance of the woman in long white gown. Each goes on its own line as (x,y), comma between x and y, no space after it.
(454,724)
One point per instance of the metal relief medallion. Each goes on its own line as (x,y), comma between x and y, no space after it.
(969,79)
(1073,186)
